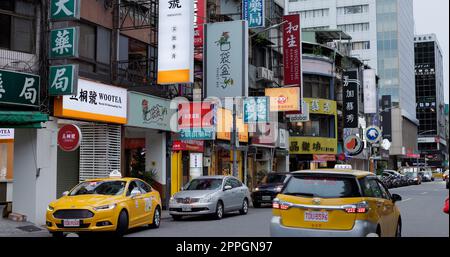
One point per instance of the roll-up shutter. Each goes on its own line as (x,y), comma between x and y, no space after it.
(99,151)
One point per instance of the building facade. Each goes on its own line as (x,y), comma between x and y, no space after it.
(430,100)
(382,33)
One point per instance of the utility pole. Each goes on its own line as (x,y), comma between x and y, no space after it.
(234,141)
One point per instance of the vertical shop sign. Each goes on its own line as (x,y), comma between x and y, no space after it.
(65,9)
(63,80)
(64,42)
(350,96)
(292,50)
(254,12)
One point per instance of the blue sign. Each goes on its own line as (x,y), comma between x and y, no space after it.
(253,12)
(373,134)
(256,109)
(197,134)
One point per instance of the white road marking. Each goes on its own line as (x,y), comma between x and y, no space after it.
(424,193)
(402,201)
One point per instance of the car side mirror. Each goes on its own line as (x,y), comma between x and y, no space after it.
(227,188)
(135,192)
(65,193)
(396,198)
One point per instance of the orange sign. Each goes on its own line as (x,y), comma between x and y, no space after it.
(225,126)
(284,99)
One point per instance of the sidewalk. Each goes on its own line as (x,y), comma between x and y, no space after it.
(9,228)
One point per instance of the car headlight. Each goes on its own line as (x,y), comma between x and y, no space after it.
(278,188)
(105,207)
(50,208)
(172,200)
(256,189)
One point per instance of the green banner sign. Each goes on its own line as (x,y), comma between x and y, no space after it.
(256,109)
(197,134)
(63,80)
(64,42)
(18,88)
(65,9)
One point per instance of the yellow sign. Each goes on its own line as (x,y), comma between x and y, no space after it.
(321,106)
(284,99)
(312,145)
(225,126)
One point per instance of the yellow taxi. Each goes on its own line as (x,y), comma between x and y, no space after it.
(338,202)
(112,204)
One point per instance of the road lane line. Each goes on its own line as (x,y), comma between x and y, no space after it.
(424,193)
(402,201)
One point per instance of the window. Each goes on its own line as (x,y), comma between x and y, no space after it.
(356,27)
(366,187)
(145,188)
(228,183)
(317,13)
(355,9)
(18,26)
(324,186)
(132,186)
(377,193)
(94,49)
(363,45)
(235,183)
(317,126)
(384,191)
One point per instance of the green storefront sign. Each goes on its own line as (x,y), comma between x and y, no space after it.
(19,88)
(197,134)
(63,80)
(65,9)
(64,42)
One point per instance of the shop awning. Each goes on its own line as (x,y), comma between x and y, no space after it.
(21,119)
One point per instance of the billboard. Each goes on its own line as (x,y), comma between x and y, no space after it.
(176,42)
(292,50)
(284,99)
(253,11)
(200,18)
(350,99)
(226,59)
(370,91)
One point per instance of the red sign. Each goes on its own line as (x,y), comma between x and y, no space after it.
(195,115)
(412,155)
(292,50)
(69,138)
(200,14)
(188,145)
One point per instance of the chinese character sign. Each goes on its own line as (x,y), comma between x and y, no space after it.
(200,17)
(64,43)
(226,59)
(176,42)
(63,79)
(350,96)
(65,9)
(256,110)
(292,50)
(253,12)
(18,88)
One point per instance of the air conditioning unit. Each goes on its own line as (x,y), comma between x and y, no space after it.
(262,73)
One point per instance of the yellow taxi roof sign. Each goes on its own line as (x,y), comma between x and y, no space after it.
(115,174)
(343,166)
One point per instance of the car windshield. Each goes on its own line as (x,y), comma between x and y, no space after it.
(205,184)
(275,178)
(323,186)
(99,188)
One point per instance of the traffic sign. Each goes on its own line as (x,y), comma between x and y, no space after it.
(373,134)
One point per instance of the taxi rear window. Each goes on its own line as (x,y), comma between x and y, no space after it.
(323,186)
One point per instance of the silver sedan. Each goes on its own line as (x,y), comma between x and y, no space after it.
(210,195)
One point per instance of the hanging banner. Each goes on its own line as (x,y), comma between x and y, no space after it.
(254,12)
(176,42)
(292,50)
(350,99)
(370,92)
(63,79)
(256,109)
(200,18)
(65,10)
(226,59)
(284,99)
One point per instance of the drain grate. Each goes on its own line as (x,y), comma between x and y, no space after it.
(29,228)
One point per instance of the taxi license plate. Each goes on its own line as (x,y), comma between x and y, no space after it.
(71,223)
(266,198)
(186,208)
(317,216)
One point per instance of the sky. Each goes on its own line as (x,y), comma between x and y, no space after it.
(431,16)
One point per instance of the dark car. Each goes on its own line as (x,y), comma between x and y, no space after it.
(269,188)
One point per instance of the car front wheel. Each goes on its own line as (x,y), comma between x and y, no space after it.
(219,211)
(244,209)
(122,223)
(156,218)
